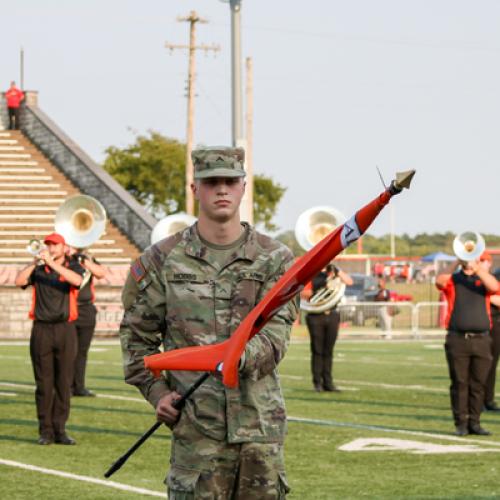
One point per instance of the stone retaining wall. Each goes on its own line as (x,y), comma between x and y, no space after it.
(15,304)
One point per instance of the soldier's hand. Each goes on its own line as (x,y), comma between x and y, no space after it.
(165,412)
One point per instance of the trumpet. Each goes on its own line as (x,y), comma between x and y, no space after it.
(35,247)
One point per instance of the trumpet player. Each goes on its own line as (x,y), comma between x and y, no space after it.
(53,336)
(323,329)
(468,286)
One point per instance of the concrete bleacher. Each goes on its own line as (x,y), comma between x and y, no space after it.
(40,167)
(31,191)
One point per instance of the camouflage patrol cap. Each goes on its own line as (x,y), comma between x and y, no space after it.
(218,161)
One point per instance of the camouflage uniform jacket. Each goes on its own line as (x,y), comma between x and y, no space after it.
(181,300)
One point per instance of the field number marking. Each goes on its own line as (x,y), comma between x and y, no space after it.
(415,447)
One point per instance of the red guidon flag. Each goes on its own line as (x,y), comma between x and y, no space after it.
(226,355)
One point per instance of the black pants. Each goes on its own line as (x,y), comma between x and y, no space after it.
(14,118)
(52,350)
(469,360)
(489,393)
(323,330)
(85,327)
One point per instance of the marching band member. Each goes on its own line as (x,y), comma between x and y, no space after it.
(468,286)
(323,330)
(54,310)
(86,321)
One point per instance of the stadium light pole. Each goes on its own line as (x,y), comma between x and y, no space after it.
(236,79)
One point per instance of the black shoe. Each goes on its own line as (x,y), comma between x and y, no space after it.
(318,388)
(491,407)
(478,430)
(44,440)
(461,430)
(64,439)
(331,388)
(84,393)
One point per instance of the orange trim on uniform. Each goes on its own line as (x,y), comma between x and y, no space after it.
(449,292)
(31,313)
(488,308)
(73,303)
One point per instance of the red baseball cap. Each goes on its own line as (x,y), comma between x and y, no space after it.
(486,256)
(54,238)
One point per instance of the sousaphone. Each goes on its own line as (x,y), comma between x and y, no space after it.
(311,227)
(81,219)
(171,224)
(468,246)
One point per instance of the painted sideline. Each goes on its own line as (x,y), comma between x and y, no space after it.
(86,479)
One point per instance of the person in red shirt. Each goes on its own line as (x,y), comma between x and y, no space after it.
(468,340)
(14,97)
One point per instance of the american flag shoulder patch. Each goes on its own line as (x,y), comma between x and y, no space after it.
(137,270)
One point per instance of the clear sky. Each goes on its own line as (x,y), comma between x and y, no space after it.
(340,88)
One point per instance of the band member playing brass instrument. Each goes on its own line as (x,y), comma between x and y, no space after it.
(53,336)
(323,322)
(468,286)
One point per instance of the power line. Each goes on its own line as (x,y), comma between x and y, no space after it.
(447,45)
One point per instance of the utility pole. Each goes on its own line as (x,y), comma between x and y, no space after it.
(192,19)
(246,210)
(237,120)
(21,67)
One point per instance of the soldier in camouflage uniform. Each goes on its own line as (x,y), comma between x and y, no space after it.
(194,288)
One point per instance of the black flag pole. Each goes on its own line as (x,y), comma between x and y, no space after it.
(177,405)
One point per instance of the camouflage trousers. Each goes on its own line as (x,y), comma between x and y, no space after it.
(202,468)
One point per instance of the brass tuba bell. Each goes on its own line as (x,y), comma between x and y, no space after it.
(81,219)
(315,223)
(171,224)
(468,246)
(311,227)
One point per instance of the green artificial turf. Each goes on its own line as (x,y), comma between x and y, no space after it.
(390,389)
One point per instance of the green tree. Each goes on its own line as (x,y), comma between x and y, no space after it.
(152,170)
(266,197)
(416,246)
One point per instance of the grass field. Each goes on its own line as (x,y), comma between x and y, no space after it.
(392,391)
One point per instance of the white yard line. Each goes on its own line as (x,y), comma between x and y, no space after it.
(332,423)
(104,396)
(396,386)
(95,343)
(346,383)
(21,386)
(86,479)
(342,358)
(122,398)
(329,423)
